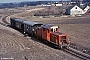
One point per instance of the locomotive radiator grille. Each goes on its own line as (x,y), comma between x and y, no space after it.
(63,41)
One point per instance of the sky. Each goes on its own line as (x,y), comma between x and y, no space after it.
(9,1)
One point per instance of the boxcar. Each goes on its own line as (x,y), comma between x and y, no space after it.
(30,27)
(17,23)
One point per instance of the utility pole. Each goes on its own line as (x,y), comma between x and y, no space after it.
(77,1)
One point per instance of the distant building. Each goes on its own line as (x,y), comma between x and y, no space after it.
(86,9)
(58,4)
(77,1)
(75,10)
(47,5)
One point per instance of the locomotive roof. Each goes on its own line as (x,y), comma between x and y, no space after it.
(49,26)
(32,23)
(58,33)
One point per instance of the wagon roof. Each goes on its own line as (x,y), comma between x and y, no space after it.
(20,20)
(31,23)
(49,26)
(17,19)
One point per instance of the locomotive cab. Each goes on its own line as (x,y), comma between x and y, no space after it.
(54,29)
(46,31)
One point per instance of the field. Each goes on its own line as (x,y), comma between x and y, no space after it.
(14,45)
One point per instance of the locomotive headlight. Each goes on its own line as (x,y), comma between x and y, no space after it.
(60,43)
(33,30)
(69,42)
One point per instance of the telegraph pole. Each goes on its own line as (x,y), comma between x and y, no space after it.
(78,2)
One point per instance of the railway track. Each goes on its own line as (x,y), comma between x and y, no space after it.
(77,53)
(4,22)
(72,51)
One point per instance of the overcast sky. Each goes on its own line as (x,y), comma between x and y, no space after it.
(8,1)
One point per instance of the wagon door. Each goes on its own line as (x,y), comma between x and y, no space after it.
(22,26)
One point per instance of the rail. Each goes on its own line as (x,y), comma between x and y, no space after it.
(77,53)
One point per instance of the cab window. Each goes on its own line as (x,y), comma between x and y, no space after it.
(52,30)
(48,31)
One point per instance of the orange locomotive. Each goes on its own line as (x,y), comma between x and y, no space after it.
(51,34)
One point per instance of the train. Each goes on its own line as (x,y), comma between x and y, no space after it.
(46,32)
